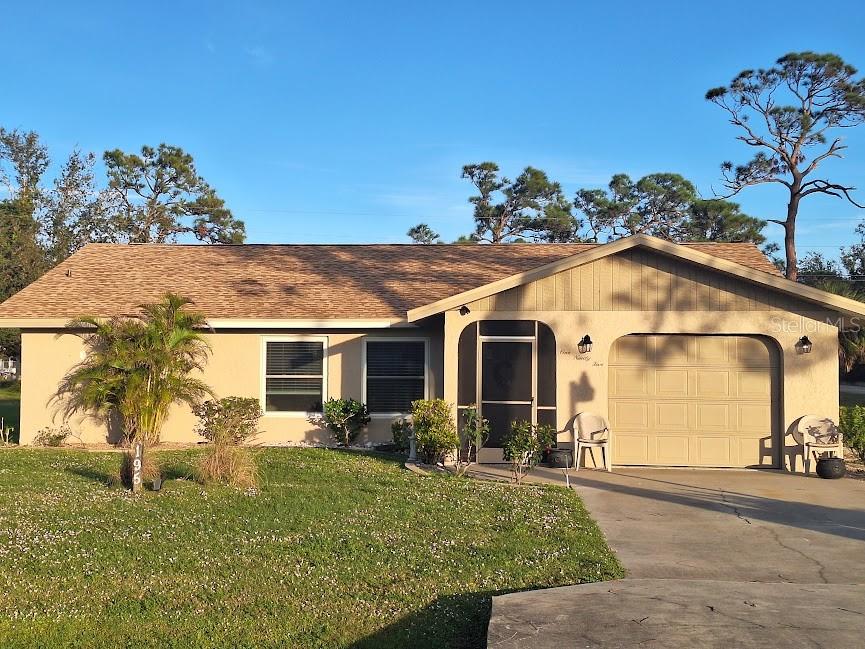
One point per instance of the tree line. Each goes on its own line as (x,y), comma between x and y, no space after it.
(154,196)
(791,116)
(534,208)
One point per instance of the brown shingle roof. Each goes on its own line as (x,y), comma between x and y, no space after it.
(291,281)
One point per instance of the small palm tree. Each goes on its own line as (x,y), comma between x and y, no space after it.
(851,342)
(138,367)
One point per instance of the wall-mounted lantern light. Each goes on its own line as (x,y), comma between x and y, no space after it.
(585,344)
(464,310)
(804,345)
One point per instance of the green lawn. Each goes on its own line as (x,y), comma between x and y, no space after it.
(335,550)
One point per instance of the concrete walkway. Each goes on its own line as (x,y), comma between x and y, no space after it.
(722,531)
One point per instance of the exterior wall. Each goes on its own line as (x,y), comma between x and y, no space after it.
(234,369)
(809,381)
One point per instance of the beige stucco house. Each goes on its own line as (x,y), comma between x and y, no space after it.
(694,353)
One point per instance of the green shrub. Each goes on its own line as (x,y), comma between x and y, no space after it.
(51,436)
(524,446)
(474,434)
(229,421)
(345,418)
(401,431)
(434,429)
(852,425)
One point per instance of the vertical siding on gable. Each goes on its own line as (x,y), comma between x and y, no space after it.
(639,280)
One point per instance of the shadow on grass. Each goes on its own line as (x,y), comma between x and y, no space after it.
(168,470)
(454,621)
(385,456)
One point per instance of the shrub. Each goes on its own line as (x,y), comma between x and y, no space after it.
(401,431)
(228,464)
(231,420)
(524,446)
(434,429)
(474,434)
(51,436)
(227,423)
(852,425)
(345,418)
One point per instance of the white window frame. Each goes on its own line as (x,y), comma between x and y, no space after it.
(390,339)
(263,374)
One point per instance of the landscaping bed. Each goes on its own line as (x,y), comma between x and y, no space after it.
(333,549)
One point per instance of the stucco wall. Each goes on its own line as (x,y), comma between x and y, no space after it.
(234,369)
(809,382)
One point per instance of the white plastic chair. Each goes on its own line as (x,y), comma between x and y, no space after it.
(816,436)
(591,431)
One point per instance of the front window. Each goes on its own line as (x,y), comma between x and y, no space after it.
(294,375)
(395,374)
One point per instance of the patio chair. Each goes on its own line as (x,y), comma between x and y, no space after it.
(590,432)
(817,436)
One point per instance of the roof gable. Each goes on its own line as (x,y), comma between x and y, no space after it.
(772,282)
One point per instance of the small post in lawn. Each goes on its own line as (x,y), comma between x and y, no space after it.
(137,464)
(412,446)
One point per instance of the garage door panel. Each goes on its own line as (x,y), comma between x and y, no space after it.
(671,382)
(631,448)
(692,400)
(756,451)
(672,449)
(630,382)
(754,417)
(712,416)
(672,350)
(630,414)
(752,352)
(712,383)
(671,414)
(712,350)
(713,451)
(632,350)
(753,384)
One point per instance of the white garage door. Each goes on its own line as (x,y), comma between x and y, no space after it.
(693,401)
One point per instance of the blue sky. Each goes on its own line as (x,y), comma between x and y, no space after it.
(350,121)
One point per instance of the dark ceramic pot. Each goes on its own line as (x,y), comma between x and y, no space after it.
(831,468)
(559,459)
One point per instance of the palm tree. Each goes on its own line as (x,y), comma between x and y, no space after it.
(851,342)
(138,367)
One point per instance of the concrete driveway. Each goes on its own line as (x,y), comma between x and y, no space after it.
(730,525)
(714,558)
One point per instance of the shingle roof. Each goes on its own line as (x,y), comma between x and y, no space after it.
(291,281)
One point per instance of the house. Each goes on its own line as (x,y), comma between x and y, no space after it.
(695,353)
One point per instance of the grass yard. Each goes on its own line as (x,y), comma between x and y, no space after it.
(335,549)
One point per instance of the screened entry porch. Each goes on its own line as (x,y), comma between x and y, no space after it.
(508,369)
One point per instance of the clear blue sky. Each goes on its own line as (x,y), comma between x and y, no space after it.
(350,121)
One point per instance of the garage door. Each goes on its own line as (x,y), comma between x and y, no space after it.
(693,401)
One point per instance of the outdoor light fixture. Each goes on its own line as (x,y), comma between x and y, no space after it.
(585,344)
(464,310)
(804,345)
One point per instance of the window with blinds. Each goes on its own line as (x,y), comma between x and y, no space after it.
(294,375)
(395,374)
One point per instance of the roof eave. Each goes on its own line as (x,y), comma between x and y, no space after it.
(235,323)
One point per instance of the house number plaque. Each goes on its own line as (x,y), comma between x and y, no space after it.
(137,463)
